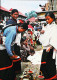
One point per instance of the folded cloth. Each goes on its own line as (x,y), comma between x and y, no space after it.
(36,58)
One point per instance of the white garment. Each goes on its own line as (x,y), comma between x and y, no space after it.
(44,38)
(50,36)
(2,47)
(36,58)
(18,38)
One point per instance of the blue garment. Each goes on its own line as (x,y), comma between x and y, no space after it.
(11,21)
(38,28)
(10,34)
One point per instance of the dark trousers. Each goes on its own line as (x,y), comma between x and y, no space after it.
(48,66)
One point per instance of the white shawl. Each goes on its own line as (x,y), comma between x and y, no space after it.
(50,36)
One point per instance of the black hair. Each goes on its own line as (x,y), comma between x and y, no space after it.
(45,24)
(23,39)
(51,14)
(32,51)
(36,25)
(14,10)
(25,25)
(28,30)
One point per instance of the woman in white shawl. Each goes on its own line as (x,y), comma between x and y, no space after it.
(49,42)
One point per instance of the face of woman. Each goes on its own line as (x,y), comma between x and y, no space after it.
(49,20)
(15,15)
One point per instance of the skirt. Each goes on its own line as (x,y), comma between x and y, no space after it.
(48,67)
(6,66)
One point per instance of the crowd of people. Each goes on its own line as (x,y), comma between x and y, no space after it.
(16,49)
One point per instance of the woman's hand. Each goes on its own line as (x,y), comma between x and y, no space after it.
(42,31)
(48,49)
